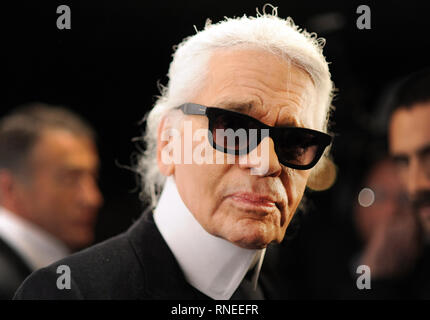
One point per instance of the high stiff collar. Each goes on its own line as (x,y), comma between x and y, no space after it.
(214,266)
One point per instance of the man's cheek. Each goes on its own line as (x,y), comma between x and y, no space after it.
(298,184)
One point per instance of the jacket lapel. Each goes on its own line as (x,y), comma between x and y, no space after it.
(162,275)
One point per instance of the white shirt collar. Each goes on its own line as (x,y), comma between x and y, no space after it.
(38,248)
(212,265)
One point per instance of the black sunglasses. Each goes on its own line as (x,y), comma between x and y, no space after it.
(298,148)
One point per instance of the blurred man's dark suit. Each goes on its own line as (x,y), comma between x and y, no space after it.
(137,264)
(13,271)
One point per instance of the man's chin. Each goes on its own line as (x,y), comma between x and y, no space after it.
(255,235)
(252,246)
(81,240)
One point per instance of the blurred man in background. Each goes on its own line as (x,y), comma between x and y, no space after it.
(49,196)
(395,229)
(409,139)
(382,209)
(388,231)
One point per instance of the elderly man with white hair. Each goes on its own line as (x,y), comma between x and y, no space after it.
(232,142)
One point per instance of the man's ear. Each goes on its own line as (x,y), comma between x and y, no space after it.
(8,185)
(164,140)
(323,175)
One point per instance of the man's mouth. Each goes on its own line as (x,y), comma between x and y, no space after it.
(254,199)
(260,204)
(421,204)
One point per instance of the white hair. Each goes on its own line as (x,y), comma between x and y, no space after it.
(188,68)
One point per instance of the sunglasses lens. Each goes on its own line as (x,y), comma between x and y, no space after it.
(297,147)
(231,133)
(238,134)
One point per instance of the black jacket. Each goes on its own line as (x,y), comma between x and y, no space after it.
(137,264)
(13,271)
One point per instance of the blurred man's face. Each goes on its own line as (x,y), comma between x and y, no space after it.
(389,199)
(61,194)
(410,146)
(250,210)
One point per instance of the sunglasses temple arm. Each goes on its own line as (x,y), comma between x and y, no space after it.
(192,108)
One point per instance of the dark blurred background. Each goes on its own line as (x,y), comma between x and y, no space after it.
(107,67)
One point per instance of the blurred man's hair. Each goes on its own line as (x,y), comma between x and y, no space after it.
(413,89)
(21,129)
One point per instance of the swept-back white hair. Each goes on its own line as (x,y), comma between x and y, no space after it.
(187,74)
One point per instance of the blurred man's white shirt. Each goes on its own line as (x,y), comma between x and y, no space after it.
(34,245)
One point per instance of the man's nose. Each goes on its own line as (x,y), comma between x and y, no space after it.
(263,160)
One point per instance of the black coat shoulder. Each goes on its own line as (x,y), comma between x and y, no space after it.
(13,271)
(137,264)
(108,270)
